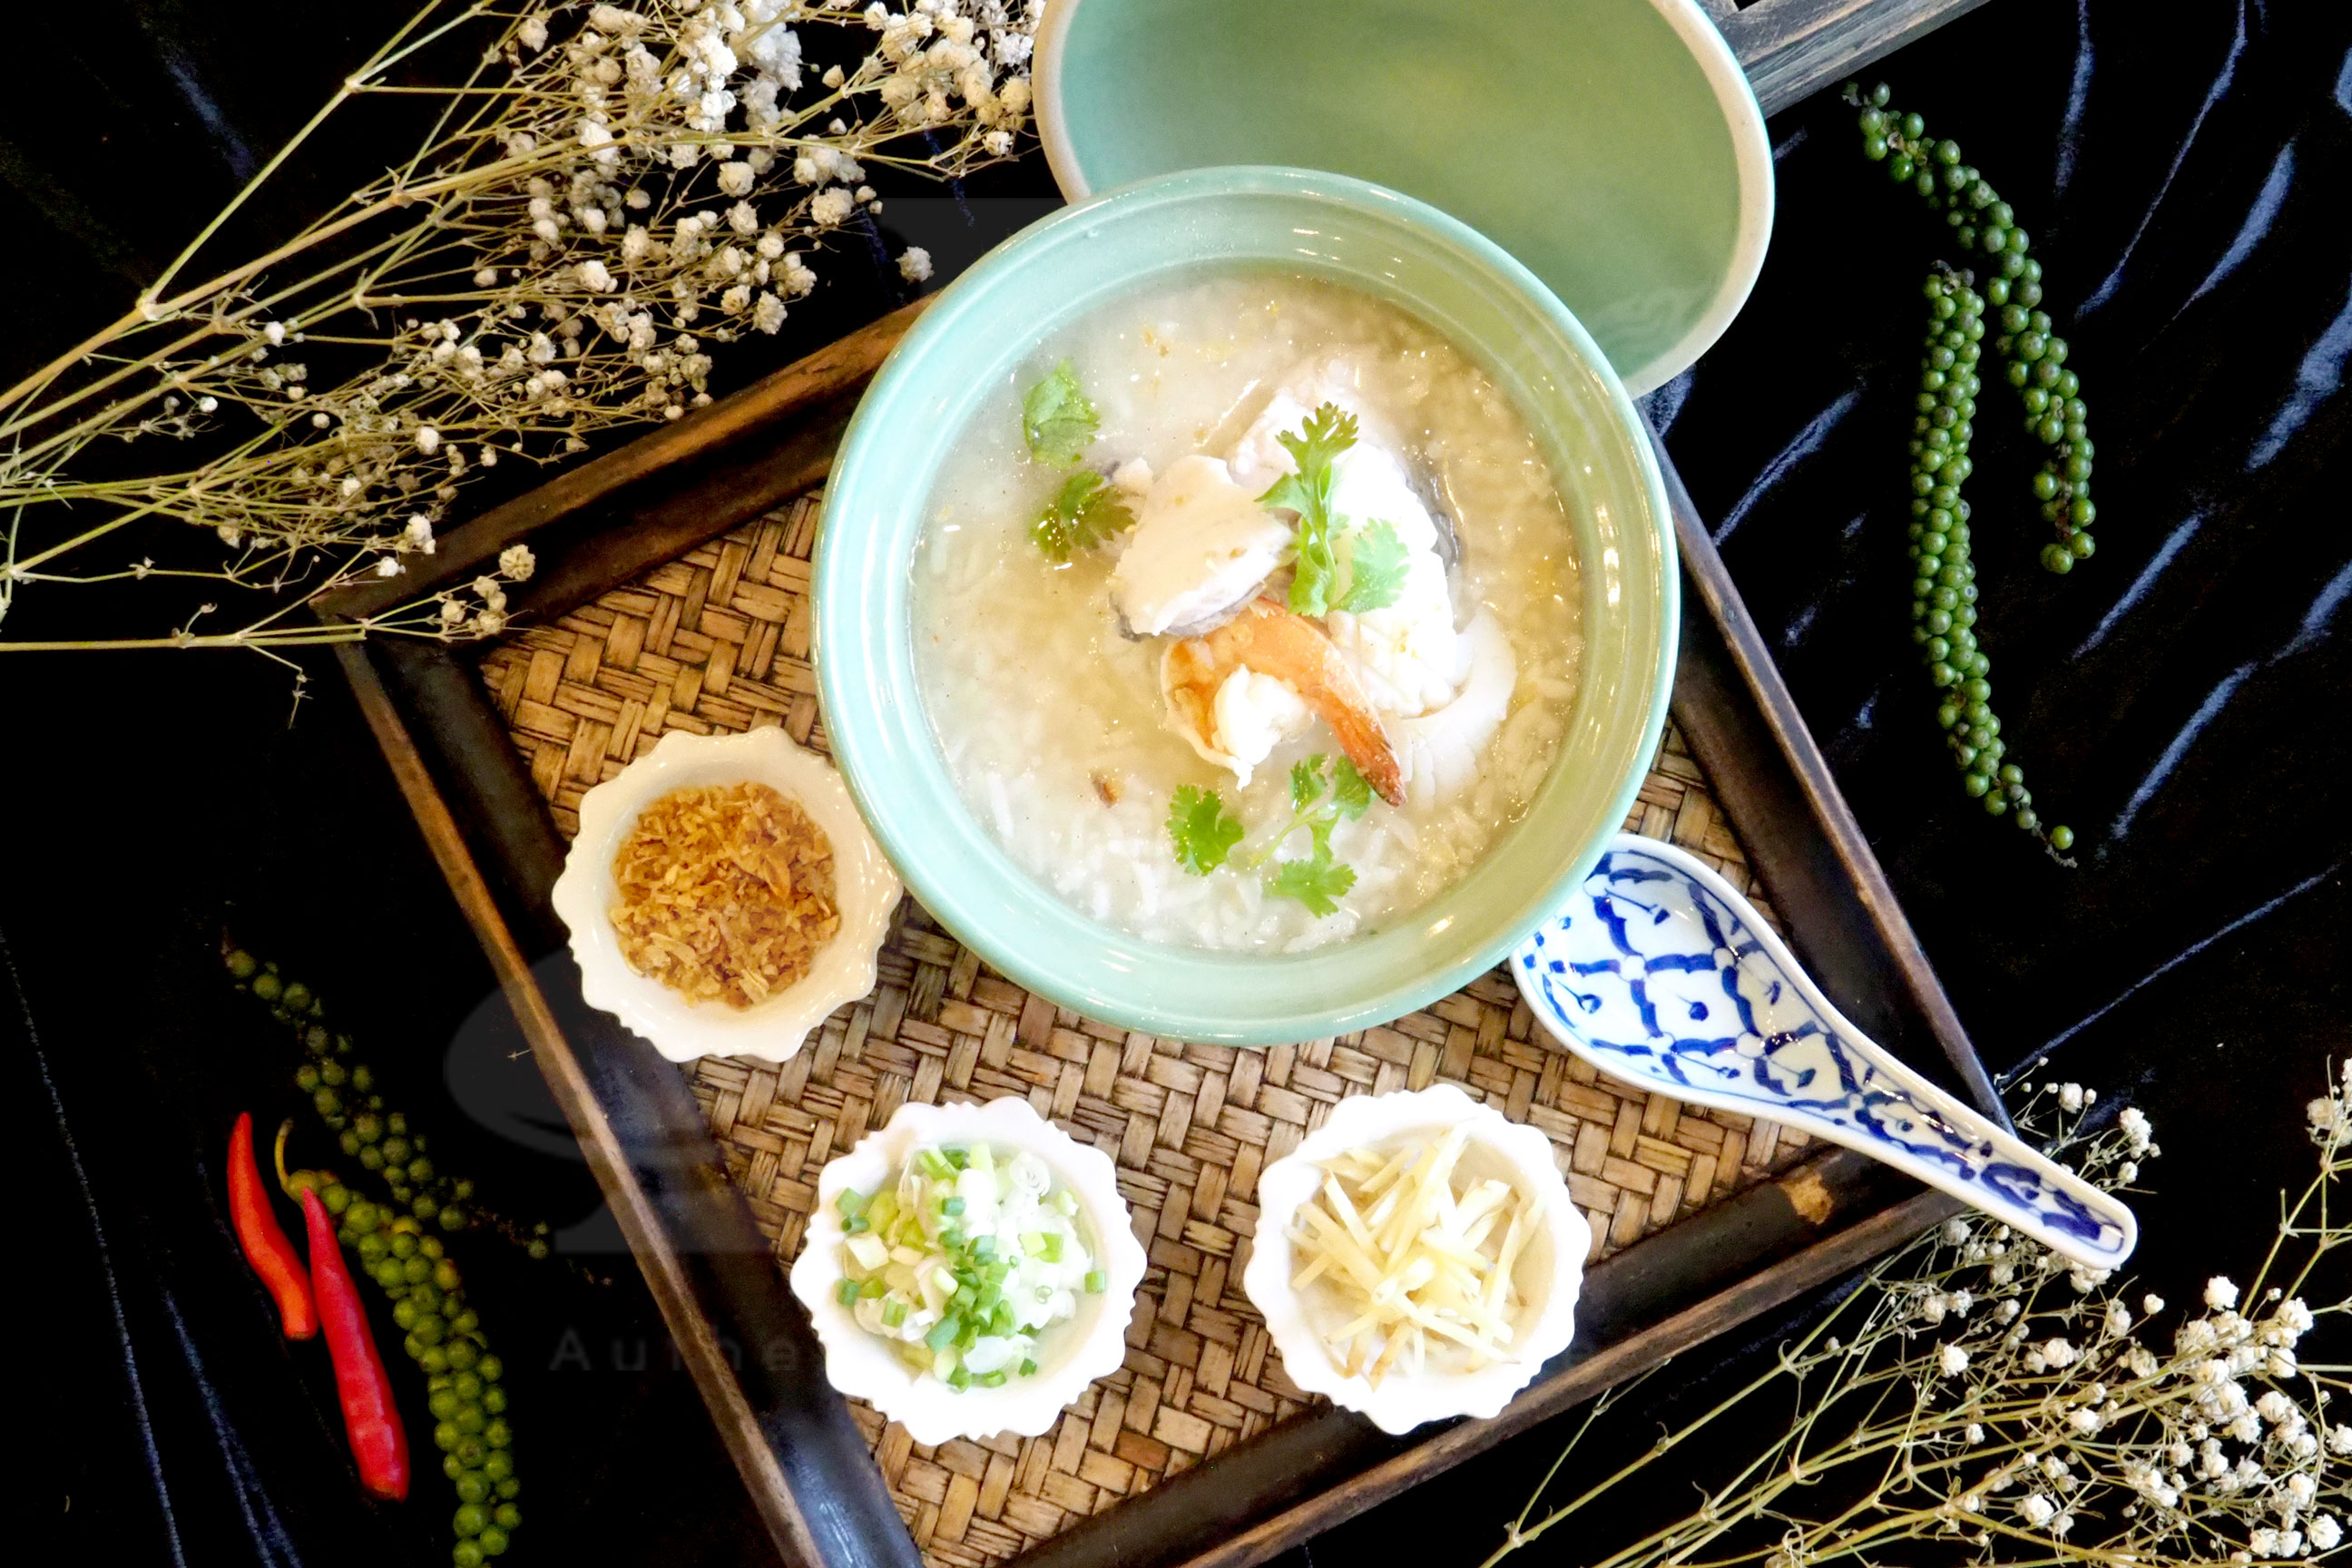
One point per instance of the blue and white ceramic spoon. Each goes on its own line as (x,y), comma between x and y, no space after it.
(1658,974)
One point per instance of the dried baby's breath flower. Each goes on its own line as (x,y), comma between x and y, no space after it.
(610,199)
(2049,1425)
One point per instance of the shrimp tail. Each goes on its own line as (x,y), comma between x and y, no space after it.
(1360,734)
(1268,638)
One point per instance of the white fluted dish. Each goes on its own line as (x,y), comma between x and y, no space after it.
(1549,1271)
(1070,1355)
(866,892)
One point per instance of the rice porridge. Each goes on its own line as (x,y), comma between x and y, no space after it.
(1246,613)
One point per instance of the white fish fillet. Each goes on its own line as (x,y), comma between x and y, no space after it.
(1201,544)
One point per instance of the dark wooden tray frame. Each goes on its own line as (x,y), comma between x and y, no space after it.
(723,1295)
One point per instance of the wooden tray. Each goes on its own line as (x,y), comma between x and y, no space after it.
(1793,49)
(671,594)
(717,640)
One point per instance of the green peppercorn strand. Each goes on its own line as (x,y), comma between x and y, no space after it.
(1943,589)
(443,1335)
(2034,356)
(343,1091)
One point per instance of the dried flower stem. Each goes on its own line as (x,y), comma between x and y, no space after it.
(1981,1364)
(604,196)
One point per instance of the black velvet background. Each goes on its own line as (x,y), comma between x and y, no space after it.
(2179,700)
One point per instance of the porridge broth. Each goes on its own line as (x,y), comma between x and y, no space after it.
(1053,723)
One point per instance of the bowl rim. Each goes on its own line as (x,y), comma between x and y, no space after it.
(1306,1014)
(1751,148)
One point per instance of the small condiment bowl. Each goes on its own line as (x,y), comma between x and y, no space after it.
(1548,1272)
(866,892)
(1072,1354)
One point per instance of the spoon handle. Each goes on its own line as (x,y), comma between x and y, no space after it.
(1907,1122)
(1657,972)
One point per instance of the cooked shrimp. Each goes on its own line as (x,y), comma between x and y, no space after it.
(1407,654)
(1218,696)
(1441,749)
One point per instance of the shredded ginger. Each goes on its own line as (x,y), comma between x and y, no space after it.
(1417,1253)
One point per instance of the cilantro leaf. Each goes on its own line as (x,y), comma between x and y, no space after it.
(1316,567)
(1087,513)
(1204,835)
(1318,882)
(1319,879)
(1057,419)
(1352,792)
(1327,433)
(1376,563)
(1306,780)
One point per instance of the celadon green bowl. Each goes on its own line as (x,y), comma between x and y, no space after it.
(1613,145)
(973,342)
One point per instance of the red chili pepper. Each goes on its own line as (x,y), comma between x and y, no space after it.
(379,1442)
(266,1246)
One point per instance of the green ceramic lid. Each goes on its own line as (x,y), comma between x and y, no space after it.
(1611,145)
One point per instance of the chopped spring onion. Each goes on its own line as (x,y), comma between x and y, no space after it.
(964,1260)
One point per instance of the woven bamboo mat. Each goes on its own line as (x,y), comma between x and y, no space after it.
(718,640)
